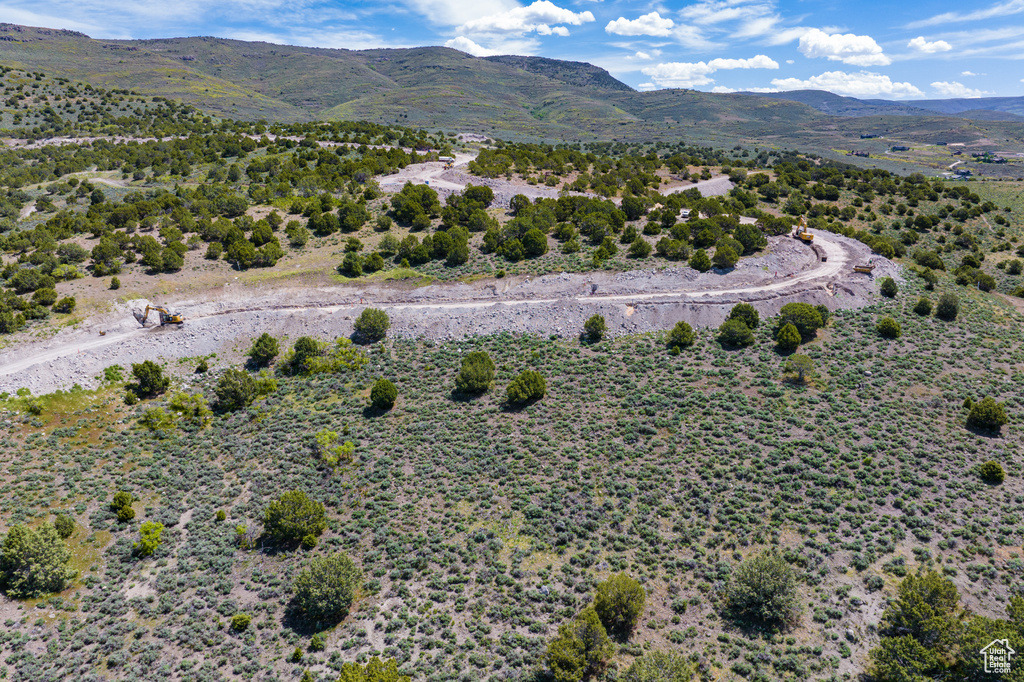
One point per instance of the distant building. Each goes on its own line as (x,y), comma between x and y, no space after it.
(963,172)
(869,136)
(900,148)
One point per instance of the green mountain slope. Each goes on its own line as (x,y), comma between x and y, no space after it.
(440,88)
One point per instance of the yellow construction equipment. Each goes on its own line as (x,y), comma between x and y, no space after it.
(448,161)
(866,269)
(802,234)
(166,316)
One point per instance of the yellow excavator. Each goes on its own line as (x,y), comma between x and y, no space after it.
(802,234)
(166,316)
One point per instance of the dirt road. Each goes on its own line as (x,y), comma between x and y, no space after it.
(224,321)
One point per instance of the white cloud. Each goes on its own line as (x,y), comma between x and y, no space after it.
(652,24)
(725,90)
(955,89)
(694,74)
(464,44)
(968,73)
(721,11)
(344,40)
(922,45)
(1002,9)
(452,12)
(646,87)
(843,47)
(25,17)
(539,17)
(862,84)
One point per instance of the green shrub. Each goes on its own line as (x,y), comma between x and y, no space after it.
(305,349)
(529,385)
(763,590)
(236,389)
(476,374)
(889,328)
(157,419)
(292,516)
(191,409)
(65,305)
(804,317)
(34,562)
(149,538)
(240,622)
(992,472)
(923,307)
(581,648)
(799,368)
(64,525)
(383,394)
(735,333)
(619,602)
(330,451)
(639,248)
(122,505)
(788,338)
(46,296)
(700,261)
(889,288)
(595,327)
(373,324)
(264,350)
(681,336)
(374,670)
(948,307)
(725,257)
(149,379)
(115,283)
(659,666)
(919,629)
(987,415)
(745,313)
(324,592)
(316,643)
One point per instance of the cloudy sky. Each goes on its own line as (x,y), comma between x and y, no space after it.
(862,48)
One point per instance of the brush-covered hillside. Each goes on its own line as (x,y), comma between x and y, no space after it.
(434,87)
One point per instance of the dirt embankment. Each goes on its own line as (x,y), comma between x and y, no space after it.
(224,320)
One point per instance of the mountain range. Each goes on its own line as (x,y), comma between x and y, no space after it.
(513,97)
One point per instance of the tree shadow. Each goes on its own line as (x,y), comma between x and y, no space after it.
(512,408)
(984,433)
(371,412)
(296,621)
(455,395)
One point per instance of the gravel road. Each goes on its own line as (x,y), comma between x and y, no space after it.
(224,321)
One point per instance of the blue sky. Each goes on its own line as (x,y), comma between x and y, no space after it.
(861,48)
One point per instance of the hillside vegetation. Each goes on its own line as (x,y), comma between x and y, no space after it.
(815,495)
(511,97)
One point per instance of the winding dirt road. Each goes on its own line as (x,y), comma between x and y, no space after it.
(634,302)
